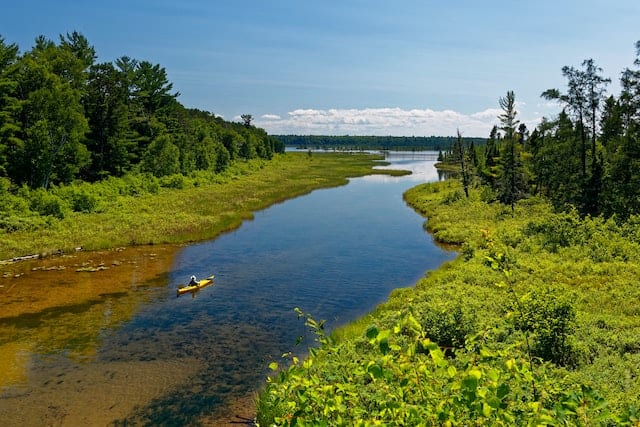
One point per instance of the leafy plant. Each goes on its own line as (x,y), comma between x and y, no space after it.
(404,378)
(550,317)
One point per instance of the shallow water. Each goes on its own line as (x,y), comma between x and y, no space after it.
(129,351)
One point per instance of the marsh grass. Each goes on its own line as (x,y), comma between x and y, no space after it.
(592,262)
(141,211)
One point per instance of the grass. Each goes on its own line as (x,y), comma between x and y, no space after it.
(593,262)
(206,207)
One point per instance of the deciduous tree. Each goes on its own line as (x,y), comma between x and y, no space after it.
(10,138)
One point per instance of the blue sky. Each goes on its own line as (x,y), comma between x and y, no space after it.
(403,67)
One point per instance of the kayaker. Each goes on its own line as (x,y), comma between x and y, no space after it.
(193,281)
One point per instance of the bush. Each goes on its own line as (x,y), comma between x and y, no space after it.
(448,325)
(138,184)
(84,202)
(176,181)
(12,205)
(558,231)
(452,197)
(47,203)
(12,223)
(550,317)
(407,379)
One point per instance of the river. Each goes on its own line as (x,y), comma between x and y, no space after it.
(132,353)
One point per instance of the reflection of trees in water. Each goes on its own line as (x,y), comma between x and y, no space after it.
(445,174)
(427,156)
(73,329)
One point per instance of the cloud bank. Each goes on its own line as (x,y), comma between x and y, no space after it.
(380,121)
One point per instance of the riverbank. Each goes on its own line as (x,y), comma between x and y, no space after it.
(540,310)
(212,205)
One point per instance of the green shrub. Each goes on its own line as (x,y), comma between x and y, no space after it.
(176,181)
(549,316)
(453,196)
(47,203)
(13,205)
(558,231)
(487,195)
(448,325)
(402,378)
(84,202)
(139,184)
(467,251)
(12,223)
(5,184)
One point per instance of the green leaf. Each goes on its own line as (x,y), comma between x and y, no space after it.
(452,371)
(502,391)
(470,382)
(273,366)
(438,356)
(372,332)
(384,346)
(375,370)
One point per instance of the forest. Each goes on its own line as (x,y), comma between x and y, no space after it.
(65,117)
(351,142)
(75,133)
(536,322)
(587,158)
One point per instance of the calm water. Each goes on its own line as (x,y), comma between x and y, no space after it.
(335,253)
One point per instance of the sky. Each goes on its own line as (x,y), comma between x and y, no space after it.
(350,67)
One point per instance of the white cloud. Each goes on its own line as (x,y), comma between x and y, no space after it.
(385,121)
(380,121)
(270,117)
(551,105)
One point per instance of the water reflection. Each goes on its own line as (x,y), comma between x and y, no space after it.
(125,349)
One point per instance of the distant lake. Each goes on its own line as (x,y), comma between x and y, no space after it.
(334,253)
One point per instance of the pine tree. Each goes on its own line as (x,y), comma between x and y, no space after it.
(511,182)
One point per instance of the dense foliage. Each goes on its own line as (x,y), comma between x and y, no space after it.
(65,117)
(350,142)
(587,158)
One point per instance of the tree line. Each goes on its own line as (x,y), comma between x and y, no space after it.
(369,142)
(65,117)
(587,158)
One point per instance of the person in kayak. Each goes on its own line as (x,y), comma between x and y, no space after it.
(193,281)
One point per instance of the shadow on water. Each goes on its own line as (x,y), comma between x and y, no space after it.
(53,314)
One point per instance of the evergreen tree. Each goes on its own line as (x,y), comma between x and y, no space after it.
(511,181)
(462,155)
(621,139)
(576,101)
(557,166)
(584,96)
(105,104)
(491,154)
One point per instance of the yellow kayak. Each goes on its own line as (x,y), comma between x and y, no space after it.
(183,289)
